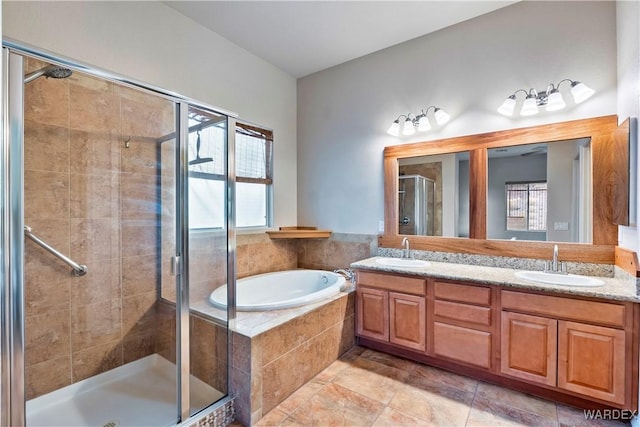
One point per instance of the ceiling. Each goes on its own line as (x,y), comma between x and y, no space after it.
(303,37)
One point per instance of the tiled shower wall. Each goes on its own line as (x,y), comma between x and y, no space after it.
(95,200)
(94,182)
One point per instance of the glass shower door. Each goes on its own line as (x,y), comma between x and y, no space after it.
(99,188)
(207,244)
(101,323)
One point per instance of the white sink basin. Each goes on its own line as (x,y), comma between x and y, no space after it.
(559,279)
(402,262)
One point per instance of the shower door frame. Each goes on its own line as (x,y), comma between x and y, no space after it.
(12,315)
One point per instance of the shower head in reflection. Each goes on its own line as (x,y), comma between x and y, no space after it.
(199,160)
(53,71)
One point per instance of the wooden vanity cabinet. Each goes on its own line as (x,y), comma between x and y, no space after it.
(592,360)
(372,313)
(528,347)
(576,345)
(581,351)
(391,309)
(462,323)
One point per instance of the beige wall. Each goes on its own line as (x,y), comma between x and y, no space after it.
(152,43)
(466,69)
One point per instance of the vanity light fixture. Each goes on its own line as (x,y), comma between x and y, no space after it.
(551,98)
(420,122)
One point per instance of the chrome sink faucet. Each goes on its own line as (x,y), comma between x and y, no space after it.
(406,253)
(554,266)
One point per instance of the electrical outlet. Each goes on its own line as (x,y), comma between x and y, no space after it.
(381,226)
(561,226)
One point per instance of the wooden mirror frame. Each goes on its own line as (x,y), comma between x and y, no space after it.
(605,233)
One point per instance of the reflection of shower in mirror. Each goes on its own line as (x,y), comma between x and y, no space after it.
(416,205)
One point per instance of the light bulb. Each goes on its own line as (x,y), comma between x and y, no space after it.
(530,106)
(508,106)
(555,101)
(580,92)
(441,116)
(394,129)
(423,123)
(408,128)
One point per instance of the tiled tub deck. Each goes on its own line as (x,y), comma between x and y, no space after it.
(276,352)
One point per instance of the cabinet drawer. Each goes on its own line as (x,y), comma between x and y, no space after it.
(462,344)
(463,312)
(463,293)
(408,285)
(565,308)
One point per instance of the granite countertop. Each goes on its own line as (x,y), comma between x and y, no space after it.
(620,288)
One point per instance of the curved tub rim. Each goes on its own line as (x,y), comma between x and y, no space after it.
(290,303)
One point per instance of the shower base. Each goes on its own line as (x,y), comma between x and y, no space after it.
(140,393)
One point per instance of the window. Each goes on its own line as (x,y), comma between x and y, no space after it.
(526,206)
(207,178)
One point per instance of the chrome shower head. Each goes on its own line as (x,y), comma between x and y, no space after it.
(52,71)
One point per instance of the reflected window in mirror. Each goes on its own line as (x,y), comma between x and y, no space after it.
(540,192)
(429,193)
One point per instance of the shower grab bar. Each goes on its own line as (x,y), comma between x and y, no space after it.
(78,269)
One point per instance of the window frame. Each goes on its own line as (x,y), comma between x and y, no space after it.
(252,131)
(527,206)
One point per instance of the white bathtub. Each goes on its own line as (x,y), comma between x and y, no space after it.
(282,289)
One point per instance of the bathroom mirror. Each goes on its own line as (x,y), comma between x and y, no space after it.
(540,192)
(599,132)
(431,195)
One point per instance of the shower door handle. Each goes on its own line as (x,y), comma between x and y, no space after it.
(176,265)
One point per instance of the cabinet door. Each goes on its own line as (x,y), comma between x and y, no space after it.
(372,313)
(591,360)
(528,347)
(407,320)
(462,344)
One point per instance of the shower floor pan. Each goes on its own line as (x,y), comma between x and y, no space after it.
(140,393)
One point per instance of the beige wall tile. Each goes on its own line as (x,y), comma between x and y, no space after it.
(47,337)
(139,193)
(47,101)
(95,360)
(96,324)
(47,376)
(46,148)
(47,295)
(46,194)
(94,196)
(139,237)
(90,82)
(240,384)
(139,313)
(92,110)
(100,284)
(139,275)
(94,153)
(137,346)
(145,119)
(94,239)
(142,156)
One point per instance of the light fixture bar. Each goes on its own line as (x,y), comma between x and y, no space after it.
(551,98)
(407,124)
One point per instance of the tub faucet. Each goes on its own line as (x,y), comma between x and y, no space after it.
(554,266)
(406,253)
(347,273)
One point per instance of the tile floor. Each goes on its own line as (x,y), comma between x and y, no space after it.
(368,388)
